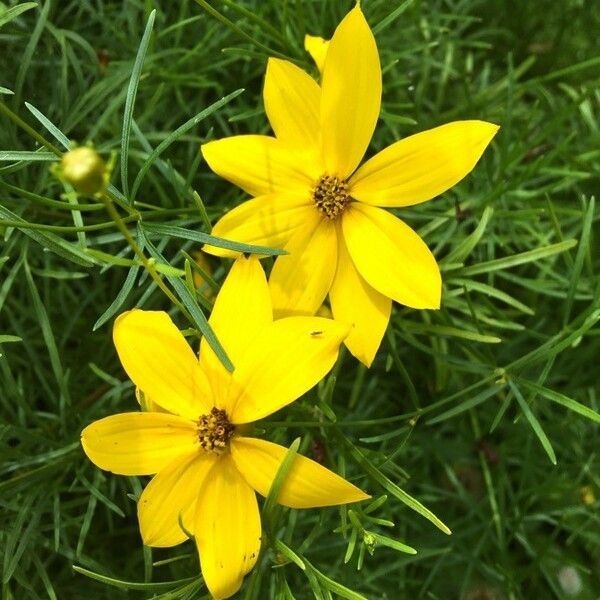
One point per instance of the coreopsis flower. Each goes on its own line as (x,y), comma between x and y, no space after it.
(194,435)
(312,198)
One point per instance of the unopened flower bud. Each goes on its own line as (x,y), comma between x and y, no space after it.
(84,169)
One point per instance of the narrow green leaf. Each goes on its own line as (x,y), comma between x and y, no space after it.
(228,23)
(391,17)
(205,238)
(559,342)
(110,259)
(205,275)
(175,135)
(290,554)
(26,57)
(92,489)
(468,404)
(333,586)
(16,537)
(517,259)
(59,136)
(169,270)
(563,400)
(119,299)
(9,14)
(48,335)
(27,155)
(55,274)
(7,339)
(130,101)
(489,290)
(38,199)
(384,540)
(582,251)
(462,250)
(131,585)
(446,330)
(51,242)
(533,421)
(377,503)
(389,485)
(280,476)
(189,301)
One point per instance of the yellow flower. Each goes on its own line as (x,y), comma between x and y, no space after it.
(207,469)
(311,199)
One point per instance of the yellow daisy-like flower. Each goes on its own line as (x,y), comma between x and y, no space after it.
(207,469)
(311,199)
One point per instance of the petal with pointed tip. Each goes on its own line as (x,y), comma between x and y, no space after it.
(286,359)
(269,220)
(317,48)
(307,484)
(292,103)
(139,443)
(227,529)
(160,362)
(261,165)
(391,256)
(241,310)
(422,166)
(300,280)
(350,94)
(171,496)
(357,303)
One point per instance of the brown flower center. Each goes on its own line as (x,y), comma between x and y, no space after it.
(331,195)
(214,431)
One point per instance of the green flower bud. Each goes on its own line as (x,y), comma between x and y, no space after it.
(84,169)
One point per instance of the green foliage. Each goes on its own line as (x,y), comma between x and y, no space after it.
(481,417)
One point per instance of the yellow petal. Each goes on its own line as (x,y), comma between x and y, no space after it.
(422,166)
(307,484)
(140,443)
(159,361)
(300,280)
(317,47)
(355,302)
(265,221)
(391,256)
(292,103)
(351,94)
(227,530)
(286,359)
(146,403)
(241,310)
(170,496)
(261,165)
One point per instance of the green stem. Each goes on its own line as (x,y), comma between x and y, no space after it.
(108,200)
(215,13)
(32,132)
(148,264)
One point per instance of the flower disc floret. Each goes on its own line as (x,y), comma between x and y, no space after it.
(331,195)
(214,431)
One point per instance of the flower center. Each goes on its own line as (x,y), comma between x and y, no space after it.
(331,195)
(214,431)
